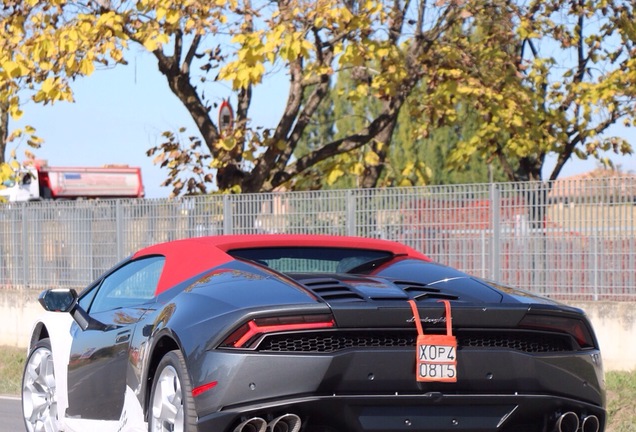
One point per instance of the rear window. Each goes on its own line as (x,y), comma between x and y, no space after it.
(312,260)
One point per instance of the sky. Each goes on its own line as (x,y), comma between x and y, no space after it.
(120,113)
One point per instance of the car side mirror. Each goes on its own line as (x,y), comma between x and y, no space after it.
(65,300)
(58,300)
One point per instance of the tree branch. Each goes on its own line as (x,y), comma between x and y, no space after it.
(178,46)
(187,61)
(566,154)
(421,12)
(309,108)
(336,147)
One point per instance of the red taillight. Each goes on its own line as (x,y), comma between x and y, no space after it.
(203,388)
(572,326)
(241,337)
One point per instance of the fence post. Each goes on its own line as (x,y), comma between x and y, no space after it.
(120,230)
(495,212)
(25,248)
(596,256)
(227,215)
(351,213)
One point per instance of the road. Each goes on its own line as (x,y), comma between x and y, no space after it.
(11,414)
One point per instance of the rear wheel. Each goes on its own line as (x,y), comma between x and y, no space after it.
(171,402)
(39,398)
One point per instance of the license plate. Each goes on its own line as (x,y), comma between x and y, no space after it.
(436,362)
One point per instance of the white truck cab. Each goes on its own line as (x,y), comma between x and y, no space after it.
(24,186)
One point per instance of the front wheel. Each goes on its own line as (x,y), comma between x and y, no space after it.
(172,405)
(39,398)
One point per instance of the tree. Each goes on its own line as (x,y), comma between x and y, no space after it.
(305,38)
(40,53)
(551,77)
(508,61)
(309,40)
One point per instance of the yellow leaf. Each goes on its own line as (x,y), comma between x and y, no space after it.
(6,170)
(161,13)
(73,35)
(47,85)
(239,38)
(371,159)
(257,72)
(13,69)
(163,39)
(242,78)
(86,67)
(334,175)
(70,62)
(172,17)
(357,169)
(16,112)
(226,144)
(151,44)
(408,169)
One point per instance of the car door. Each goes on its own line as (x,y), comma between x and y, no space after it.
(99,358)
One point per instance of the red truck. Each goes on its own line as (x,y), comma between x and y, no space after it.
(37,181)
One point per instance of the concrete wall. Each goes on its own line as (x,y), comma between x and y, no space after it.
(614,323)
(615,327)
(18,311)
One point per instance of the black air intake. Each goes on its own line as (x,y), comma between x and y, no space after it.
(332,290)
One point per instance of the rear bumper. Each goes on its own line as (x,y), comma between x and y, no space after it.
(375,390)
(414,413)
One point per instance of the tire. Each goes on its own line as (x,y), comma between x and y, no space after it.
(39,390)
(171,393)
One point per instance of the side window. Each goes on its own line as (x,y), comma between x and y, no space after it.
(133,284)
(87,297)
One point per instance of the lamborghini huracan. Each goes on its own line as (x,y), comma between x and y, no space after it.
(289,333)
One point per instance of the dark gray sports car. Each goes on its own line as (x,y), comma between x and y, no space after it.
(307,333)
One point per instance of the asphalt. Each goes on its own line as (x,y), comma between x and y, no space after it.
(11,414)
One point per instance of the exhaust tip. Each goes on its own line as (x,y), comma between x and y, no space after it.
(590,424)
(285,423)
(567,422)
(255,424)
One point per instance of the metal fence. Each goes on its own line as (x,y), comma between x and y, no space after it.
(568,239)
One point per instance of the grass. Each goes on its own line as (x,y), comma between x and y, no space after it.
(621,400)
(621,389)
(11,366)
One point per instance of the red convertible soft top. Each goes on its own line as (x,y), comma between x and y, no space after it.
(189,257)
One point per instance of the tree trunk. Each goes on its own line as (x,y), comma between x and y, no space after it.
(4,130)
(529,169)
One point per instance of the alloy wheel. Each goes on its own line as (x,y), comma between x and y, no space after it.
(167,403)
(39,401)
